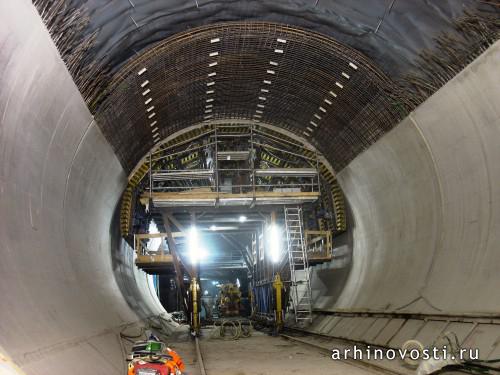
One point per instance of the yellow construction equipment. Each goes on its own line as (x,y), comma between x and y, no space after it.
(278,287)
(229,301)
(195,315)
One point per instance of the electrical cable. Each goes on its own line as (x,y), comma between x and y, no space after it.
(236,332)
(233,329)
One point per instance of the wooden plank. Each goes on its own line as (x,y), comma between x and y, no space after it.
(222,195)
(158,235)
(177,262)
(155,259)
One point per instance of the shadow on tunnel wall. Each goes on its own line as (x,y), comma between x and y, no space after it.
(328,279)
(133,283)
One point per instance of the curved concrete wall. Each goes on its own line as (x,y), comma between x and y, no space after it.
(60,182)
(426,205)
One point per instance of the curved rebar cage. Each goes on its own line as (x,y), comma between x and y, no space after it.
(291,78)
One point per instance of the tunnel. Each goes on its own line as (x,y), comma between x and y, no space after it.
(391,106)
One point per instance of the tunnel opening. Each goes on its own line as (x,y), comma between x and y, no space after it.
(232,186)
(228,218)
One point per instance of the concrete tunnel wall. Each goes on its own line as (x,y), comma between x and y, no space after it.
(425,201)
(61,307)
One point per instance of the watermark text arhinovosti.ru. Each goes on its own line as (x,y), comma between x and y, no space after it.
(367,353)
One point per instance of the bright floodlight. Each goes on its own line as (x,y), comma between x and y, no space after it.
(153,243)
(243,218)
(274,242)
(213,228)
(196,252)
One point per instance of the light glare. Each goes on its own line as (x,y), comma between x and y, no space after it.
(275,243)
(153,243)
(196,252)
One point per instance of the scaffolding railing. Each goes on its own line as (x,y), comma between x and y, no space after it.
(318,245)
(214,169)
(142,243)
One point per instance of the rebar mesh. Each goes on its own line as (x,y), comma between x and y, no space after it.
(369,105)
(295,71)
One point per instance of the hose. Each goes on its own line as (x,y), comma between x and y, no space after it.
(238,328)
(246,330)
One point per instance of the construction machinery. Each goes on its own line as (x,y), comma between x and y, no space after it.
(153,357)
(229,300)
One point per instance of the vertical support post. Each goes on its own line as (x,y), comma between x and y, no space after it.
(158,286)
(252,159)
(317,172)
(195,288)
(251,298)
(278,287)
(177,263)
(196,267)
(216,164)
(150,177)
(273,224)
(195,323)
(162,251)
(329,244)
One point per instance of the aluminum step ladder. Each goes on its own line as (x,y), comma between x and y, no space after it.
(300,289)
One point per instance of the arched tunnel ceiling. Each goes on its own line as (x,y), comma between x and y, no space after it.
(283,76)
(390,32)
(404,39)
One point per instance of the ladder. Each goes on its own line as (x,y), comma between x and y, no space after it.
(300,289)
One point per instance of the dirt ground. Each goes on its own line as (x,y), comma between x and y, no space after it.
(259,354)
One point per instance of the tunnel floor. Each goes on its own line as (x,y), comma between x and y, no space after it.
(260,354)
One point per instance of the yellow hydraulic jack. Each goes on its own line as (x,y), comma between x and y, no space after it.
(195,292)
(278,286)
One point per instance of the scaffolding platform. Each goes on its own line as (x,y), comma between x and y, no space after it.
(156,264)
(153,262)
(209,199)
